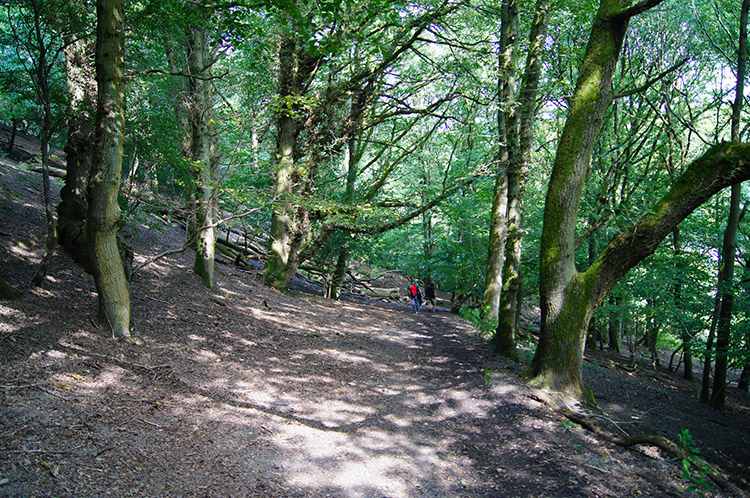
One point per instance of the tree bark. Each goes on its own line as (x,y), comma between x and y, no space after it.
(687,338)
(565,296)
(202,155)
(615,324)
(298,227)
(726,290)
(557,362)
(351,161)
(744,381)
(79,151)
(43,60)
(517,174)
(568,298)
(506,119)
(287,233)
(726,282)
(104,212)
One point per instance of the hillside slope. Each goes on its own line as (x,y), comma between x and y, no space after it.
(248,392)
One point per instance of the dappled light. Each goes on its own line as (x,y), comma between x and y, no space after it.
(259,393)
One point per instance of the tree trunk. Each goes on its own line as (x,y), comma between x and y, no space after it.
(517,173)
(351,162)
(44,92)
(202,154)
(569,298)
(651,331)
(566,298)
(615,324)
(687,338)
(104,212)
(726,290)
(286,231)
(744,381)
(340,273)
(79,151)
(726,283)
(493,285)
(705,394)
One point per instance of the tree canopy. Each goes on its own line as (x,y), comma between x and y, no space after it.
(313,135)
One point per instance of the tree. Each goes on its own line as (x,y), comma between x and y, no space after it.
(316,119)
(506,136)
(104,211)
(568,297)
(517,173)
(202,150)
(726,281)
(38,47)
(79,149)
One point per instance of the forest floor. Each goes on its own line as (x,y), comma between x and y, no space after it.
(247,392)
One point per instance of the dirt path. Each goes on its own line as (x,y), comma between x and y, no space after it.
(251,393)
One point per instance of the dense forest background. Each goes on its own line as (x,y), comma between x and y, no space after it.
(454,141)
(579,163)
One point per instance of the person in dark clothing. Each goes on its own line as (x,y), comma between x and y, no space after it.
(429,292)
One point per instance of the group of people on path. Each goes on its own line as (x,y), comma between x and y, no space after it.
(416,294)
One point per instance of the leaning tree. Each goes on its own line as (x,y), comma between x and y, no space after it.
(104,211)
(568,297)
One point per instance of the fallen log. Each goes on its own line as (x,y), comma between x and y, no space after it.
(53,171)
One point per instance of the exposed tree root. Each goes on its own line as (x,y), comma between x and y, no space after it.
(651,440)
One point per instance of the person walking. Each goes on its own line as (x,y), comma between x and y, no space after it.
(429,292)
(415,294)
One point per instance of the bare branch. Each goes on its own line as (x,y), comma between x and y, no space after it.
(651,82)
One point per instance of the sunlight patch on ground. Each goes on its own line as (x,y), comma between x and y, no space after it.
(23,251)
(10,315)
(457,403)
(109,378)
(207,356)
(366,463)
(504,389)
(402,422)
(334,413)
(342,356)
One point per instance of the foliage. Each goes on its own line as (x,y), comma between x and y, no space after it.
(486,327)
(697,476)
(430,126)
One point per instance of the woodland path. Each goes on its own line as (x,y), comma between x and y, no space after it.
(253,393)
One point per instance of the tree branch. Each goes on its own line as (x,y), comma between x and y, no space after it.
(721,166)
(657,440)
(651,82)
(640,8)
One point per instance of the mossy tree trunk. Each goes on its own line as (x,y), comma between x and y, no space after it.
(565,296)
(299,227)
(517,174)
(290,222)
(79,150)
(40,47)
(557,362)
(202,154)
(104,212)
(506,121)
(568,298)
